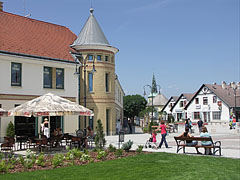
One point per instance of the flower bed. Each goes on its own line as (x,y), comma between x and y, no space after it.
(34,162)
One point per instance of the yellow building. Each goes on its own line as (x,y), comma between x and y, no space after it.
(100,85)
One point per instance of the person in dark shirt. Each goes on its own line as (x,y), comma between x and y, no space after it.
(189,142)
(200,125)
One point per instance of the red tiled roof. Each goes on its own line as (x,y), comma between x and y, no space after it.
(19,34)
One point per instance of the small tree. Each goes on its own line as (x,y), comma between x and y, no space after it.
(10,130)
(100,136)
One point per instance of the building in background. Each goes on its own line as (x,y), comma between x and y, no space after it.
(215,103)
(166,109)
(178,110)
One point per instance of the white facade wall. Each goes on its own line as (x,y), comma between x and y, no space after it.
(32,84)
(179,110)
(207,109)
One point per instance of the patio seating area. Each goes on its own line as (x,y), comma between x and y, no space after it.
(44,144)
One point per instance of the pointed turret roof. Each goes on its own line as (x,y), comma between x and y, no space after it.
(91,33)
(92,36)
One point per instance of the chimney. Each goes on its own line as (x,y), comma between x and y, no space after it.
(1,6)
(224,85)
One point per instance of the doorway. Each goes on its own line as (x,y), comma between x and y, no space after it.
(25,126)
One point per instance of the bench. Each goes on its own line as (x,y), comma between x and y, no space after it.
(181,143)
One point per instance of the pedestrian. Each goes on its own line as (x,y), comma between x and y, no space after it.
(190,125)
(187,123)
(200,125)
(163,129)
(130,126)
(205,133)
(234,122)
(154,138)
(46,128)
(189,142)
(230,122)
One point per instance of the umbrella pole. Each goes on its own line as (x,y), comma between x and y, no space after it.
(49,126)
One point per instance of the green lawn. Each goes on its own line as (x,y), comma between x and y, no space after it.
(145,166)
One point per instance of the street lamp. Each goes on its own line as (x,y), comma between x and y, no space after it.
(82,63)
(235,99)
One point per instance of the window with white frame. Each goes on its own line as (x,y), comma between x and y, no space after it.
(16,74)
(205,100)
(196,100)
(196,115)
(216,115)
(214,99)
(181,104)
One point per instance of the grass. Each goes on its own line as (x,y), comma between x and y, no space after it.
(144,166)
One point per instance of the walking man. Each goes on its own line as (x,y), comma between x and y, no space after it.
(200,125)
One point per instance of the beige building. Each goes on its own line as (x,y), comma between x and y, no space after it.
(100,85)
(35,59)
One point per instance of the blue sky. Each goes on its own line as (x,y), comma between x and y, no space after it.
(185,43)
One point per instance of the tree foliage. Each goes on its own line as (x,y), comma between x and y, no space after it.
(133,105)
(10,130)
(100,140)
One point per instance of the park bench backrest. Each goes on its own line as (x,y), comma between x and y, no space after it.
(193,138)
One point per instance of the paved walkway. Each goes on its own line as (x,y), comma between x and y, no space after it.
(230,140)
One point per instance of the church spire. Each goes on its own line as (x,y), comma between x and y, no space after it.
(154,85)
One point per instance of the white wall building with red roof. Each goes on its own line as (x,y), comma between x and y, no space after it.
(214,103)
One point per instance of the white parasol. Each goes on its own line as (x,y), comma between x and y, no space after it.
(49,105)
(3,112)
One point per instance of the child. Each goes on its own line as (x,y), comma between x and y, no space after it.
(154,138)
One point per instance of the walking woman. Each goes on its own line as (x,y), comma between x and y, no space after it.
(163,129)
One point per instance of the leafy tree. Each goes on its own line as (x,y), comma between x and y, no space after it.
(100,140)
(133,105)
(10,130)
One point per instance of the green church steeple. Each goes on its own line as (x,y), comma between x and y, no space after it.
(154,85)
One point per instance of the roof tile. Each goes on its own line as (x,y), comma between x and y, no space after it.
(33,37)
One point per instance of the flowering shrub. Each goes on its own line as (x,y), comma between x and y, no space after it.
(85,157)
(57,160)
(3,166)
(101,155)
(40,160)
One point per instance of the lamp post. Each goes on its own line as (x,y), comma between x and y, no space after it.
(82,63)
(235,99)
(144,94)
